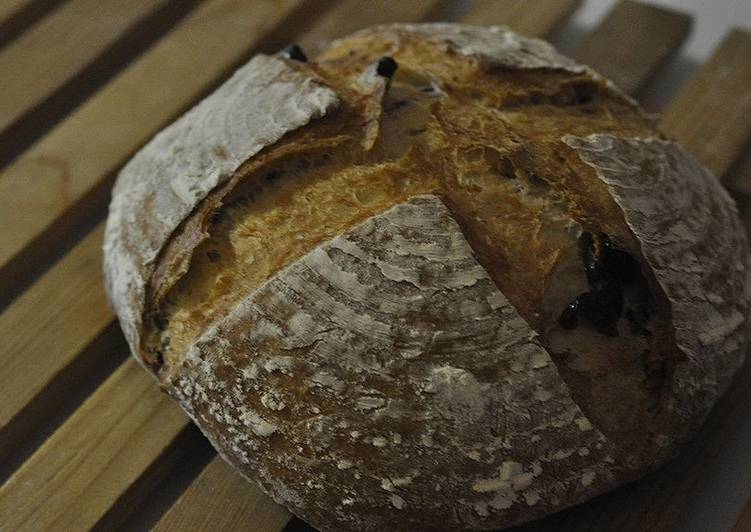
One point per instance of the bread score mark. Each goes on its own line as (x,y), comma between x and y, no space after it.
(397,316)
(678,212)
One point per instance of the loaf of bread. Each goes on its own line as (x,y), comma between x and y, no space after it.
(441,278)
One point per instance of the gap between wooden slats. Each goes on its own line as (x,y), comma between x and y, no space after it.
(66,175)
(202,507)
(89,315)
(60,45)
(9,8)
(75,479)
(18,15)
(63,59)
(47,328)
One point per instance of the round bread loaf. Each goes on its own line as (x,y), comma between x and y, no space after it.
(440,278)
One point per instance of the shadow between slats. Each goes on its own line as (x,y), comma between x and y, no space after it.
(29,127)
(49,409)
(141,506)
(60,395)
(25,16)
(80,217)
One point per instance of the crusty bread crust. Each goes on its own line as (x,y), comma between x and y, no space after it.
(398,389)
(355,282)
(164,181)
(688,229)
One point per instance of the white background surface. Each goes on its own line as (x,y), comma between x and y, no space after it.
(728,487)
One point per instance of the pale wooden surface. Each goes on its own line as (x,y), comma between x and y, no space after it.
(220,499)
(10,7)
(351,15)
(49,326)
(720,89)
(85,149)
(80,30)
(77,476)
(45,330)
(534,18)
(633,42)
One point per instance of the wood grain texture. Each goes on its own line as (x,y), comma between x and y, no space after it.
(352,15)
(221,499)
(533,18)
(46,330)
(710,114)
(79,474)
(78,157)
(10,7)
(633,42)
(59,46)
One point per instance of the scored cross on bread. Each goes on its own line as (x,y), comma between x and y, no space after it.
(441,277)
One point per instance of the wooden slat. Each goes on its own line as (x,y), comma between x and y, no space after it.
(220,499)
(352,15)
(633,42)
(59,46)
(712,113)
(534,18)
(103,449)
(45,331)
(72,162)
(47,328)
(10,7)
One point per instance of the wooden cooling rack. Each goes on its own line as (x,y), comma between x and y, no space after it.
(87,440)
